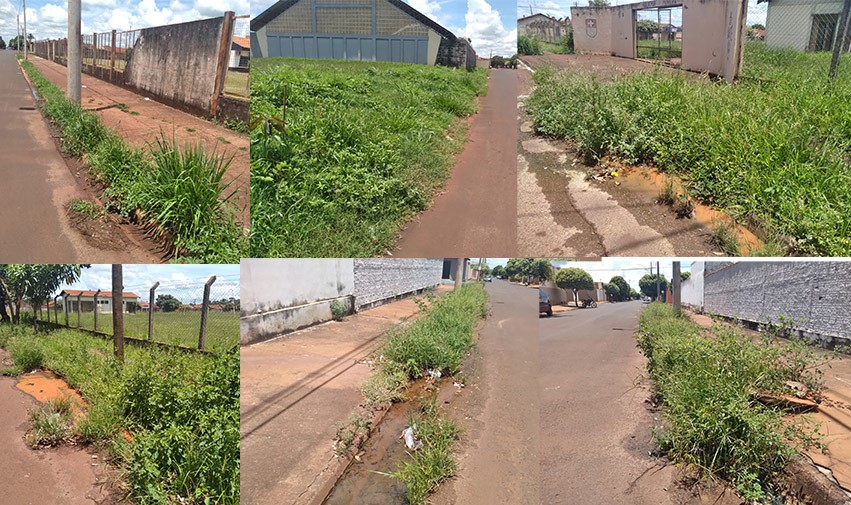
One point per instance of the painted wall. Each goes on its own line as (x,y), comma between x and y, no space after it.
(815,293)
(177,62)
(789,22)
(592,29)
(691,290)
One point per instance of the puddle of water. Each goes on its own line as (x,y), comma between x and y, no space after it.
(650,182)
(383,452)
(45,386)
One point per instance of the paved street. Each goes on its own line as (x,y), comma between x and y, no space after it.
(36,186)
(595,424)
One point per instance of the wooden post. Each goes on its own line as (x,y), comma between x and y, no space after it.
(222,60)
(79,308)
(205,307)
(96,309)
(151,311)
(118,312)
(112,58)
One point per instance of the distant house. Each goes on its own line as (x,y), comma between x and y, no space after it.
(69,299)
(808,25)
(543,27)
(240,53)
(371,30)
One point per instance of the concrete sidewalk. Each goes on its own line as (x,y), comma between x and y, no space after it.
(146,118)
(293,391)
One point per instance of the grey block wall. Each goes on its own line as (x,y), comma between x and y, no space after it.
(456,53)
(816,292)
(379,279)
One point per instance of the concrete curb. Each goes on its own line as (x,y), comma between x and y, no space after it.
(803,480)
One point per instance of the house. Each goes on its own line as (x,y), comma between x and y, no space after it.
(543,27)
(69,299)
(240,53)
(808,25)
(371,30)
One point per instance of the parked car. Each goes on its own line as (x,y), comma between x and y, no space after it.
(488,278)
(647,299)
(544,305)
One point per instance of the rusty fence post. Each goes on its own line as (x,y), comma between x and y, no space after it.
(151,311)
(225,41)
(118,312)
(96,309)
(205,308)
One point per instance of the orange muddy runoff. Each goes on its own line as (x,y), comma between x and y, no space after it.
(45,386)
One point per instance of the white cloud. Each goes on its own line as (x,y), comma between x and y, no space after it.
(428,7)
(486,30)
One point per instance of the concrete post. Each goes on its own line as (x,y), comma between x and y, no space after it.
(838,42)
(151,308)
(79,309)
(112,58)
(205,307)
(658,283)
(26,41)
(96,310)
(222,61)
(118,311)
(676,283)
(73,54)
(459,272)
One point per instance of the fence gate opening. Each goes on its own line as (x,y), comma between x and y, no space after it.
(659,34)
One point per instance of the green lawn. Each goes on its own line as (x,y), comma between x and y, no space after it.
(773,149)
(659,49)
(236,83)
(180,328)
(366,146)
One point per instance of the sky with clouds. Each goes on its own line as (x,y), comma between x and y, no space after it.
(49,18)
(756,13)
(489,24)
(186,282)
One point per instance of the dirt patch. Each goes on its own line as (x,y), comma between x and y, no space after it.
(601,65)
(45,386)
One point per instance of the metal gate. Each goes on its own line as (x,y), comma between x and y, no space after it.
(657,35)
(347,47)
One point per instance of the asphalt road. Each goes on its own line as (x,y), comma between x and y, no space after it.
(498,408)
(476,215)
(595,424)
(35,184)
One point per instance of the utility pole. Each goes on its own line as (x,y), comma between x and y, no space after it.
(26,41)
(459,272)
(677,282)
(658,290)
(73,54)
(841,35)
(118,310)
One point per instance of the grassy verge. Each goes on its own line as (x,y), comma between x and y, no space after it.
(343,152)
(438,342)
(773,148)
(706,384)
(181,412)
(178,193)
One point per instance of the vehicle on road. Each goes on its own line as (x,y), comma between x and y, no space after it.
(589,302)
(646,300)
(488,278)
(544,305)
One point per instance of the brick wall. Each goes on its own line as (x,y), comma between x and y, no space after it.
(815,292)
(379,279)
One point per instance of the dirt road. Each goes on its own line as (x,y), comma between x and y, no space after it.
(498,408)
(595,423)
(68,475)
(477,213)
(561,212)
(36,186)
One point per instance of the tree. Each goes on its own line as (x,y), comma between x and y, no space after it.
(518,267)
(574,279)
(647,284)
(2,43)
(623,288)
(541,269)
(34,284)
(633,294)
(613,291)
(647,26)
(685,276)
(598,3)
(167,303)
(498,271)
(758,26)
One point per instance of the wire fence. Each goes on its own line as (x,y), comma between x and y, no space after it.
(200,314)
(237,78)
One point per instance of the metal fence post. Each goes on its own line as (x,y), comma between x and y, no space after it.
(79,308)
(205,307)
(96,309)
(151,311)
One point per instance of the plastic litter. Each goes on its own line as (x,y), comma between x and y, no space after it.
(410,439)
(435,374)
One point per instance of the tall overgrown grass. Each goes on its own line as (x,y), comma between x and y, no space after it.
(706,383)
(181,411)
(365,146)
(774,147)
(180,192)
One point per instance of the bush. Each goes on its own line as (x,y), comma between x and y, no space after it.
(27,354)
(528,46)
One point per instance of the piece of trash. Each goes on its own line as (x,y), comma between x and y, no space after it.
(435,374)
(458,385)
(410,440)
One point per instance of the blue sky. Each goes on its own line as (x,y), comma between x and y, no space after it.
(186,282)
(490,24)
(49,18)
(756,13)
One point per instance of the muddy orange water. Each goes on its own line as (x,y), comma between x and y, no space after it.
(649,181)
(45,386)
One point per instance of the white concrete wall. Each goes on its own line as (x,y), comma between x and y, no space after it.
(691,290)
(599,43)
(789,22)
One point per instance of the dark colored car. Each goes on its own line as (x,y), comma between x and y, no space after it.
(544,305)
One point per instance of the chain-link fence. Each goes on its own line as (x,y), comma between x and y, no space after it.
(788,38)
(200,313)
(236,81)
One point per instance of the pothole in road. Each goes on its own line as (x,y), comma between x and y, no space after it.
(26,108)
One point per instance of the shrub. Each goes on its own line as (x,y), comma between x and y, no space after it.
(528,46)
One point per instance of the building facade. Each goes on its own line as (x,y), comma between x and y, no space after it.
(543,27)
(72,299)
(804,25)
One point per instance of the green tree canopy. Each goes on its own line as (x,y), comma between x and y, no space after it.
(685,275)
(34,284)
(167,303)
(598,3)
(2,43)
(623,288)
(498,271)
(574,279)
(647,284)
(647,26)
